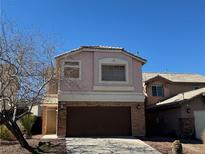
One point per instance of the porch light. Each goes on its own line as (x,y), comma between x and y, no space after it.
(188,109)
(138,106)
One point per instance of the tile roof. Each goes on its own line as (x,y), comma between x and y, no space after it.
(182,96)
(91,47)
(103,48)
(176,77)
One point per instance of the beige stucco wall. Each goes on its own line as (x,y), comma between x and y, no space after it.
(170,89)
(176,88)
(195,104)
(152,100)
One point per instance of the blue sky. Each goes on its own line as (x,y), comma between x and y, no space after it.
(170,34)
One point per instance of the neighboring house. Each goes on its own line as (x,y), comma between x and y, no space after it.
(97,91)
(175,104)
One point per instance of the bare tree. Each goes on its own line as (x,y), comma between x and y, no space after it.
(24,65)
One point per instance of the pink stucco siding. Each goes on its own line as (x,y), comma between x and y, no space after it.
(86,81)
(137,76)
(90,72)
(101,55)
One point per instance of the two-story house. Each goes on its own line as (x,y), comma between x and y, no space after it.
(175,104)
(97,91)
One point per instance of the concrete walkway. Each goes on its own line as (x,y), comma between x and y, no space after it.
(50,136)
(108,146)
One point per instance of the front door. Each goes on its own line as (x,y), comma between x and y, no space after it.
(51,121)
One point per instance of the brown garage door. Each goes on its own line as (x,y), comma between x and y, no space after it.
(98,121)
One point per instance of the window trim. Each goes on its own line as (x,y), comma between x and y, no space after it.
(157,85)
(113,62)
(64,65)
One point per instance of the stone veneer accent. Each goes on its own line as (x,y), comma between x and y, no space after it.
(137,115)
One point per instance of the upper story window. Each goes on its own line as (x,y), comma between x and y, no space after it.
(113,70)
(71,69)
(158,90)
(113,73)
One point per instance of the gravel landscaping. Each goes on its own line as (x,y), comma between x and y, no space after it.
(163,145)
(57,146)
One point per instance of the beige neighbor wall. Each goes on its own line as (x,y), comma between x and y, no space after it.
(152,100)
(176,120)
(176,88)
(137,115)
(187,118)
(170,89)
(195,104)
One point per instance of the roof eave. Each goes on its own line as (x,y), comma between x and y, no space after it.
(169,105)
(142,60)
(67,52)
(157,76)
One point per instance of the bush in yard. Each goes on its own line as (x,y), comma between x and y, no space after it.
(203,136)
(5,134)
(27,122)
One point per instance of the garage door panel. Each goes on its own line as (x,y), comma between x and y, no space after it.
(98,121)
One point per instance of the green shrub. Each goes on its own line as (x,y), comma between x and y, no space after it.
(203,136)
(27,122)
(5,134)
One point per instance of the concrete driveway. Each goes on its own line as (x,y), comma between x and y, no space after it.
(108,145)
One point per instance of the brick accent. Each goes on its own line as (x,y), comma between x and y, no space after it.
(62,114)
(137,115)
(138,120)
(44,119)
